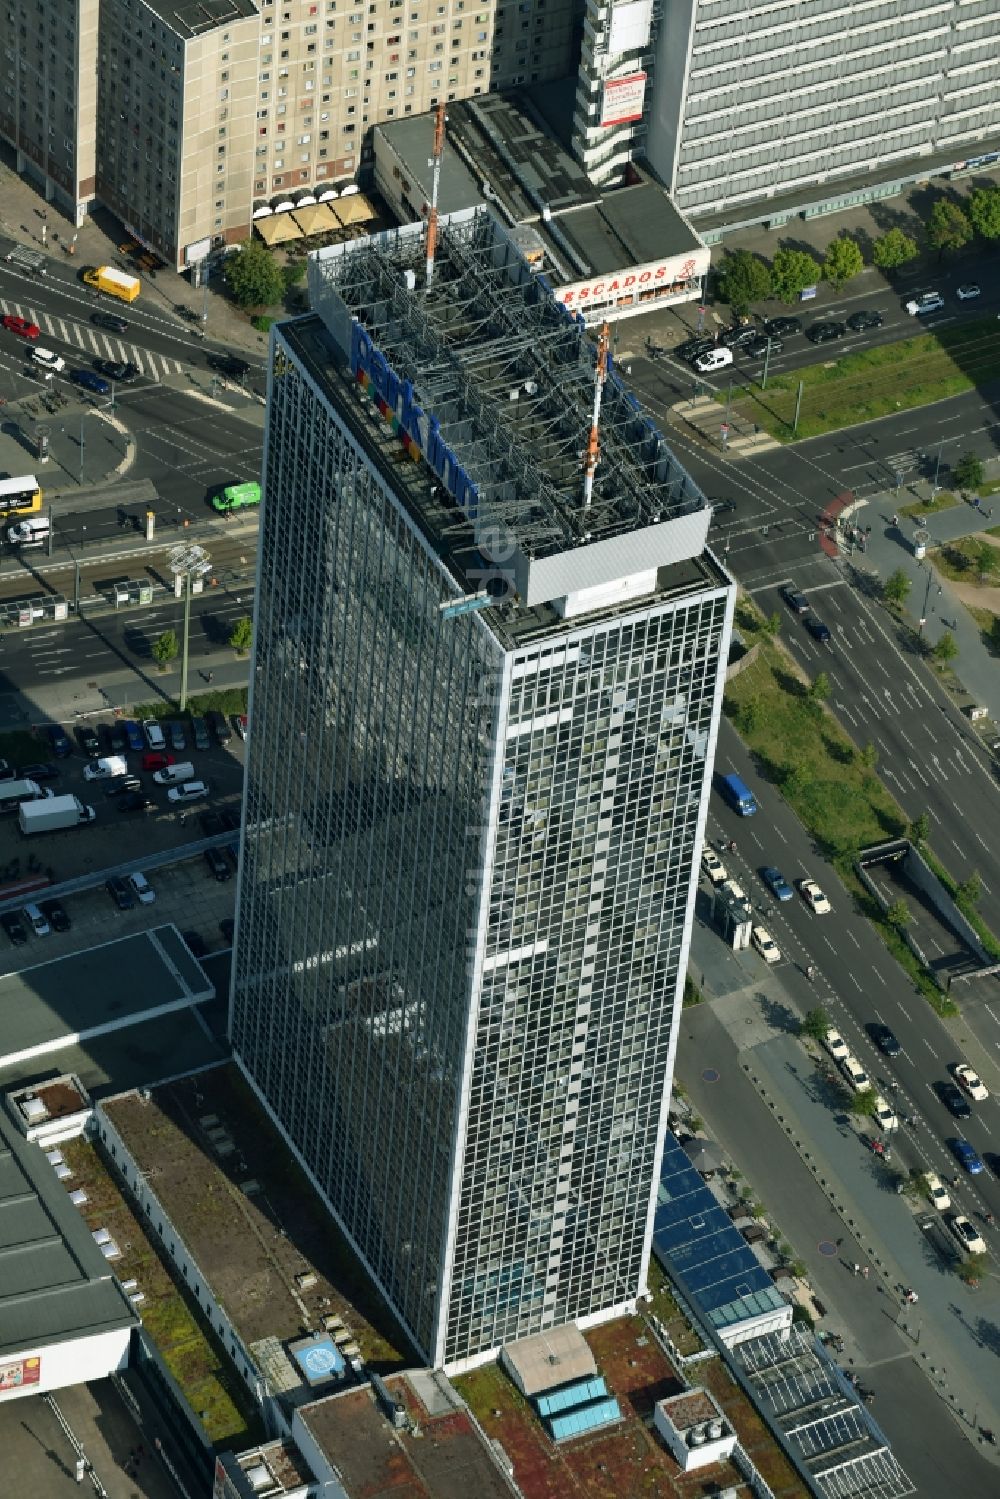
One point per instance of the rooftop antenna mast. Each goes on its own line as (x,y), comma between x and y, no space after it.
(593,451)
(435,164)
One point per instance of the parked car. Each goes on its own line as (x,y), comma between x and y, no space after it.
(141,888)
(781,327)
(765,945)
(22,326)
(739,335)
(220,728)
(713,866)
(859,321)
(966,1157)
(776,882)
(118,784)
(814,897)
(967,1234)
(188,791)
(156,760)
(133,733)
(136,801)
(155,736)
(59,740)
(825,332)
(797,602)
(884,1114)
(967,292)
(691,348)
(954,1100)
(36,920)
(836,1045)
(118,738)
(88,741)
(120,893)
(964,1077)
(109,320)
(40,770)
(200,734)
(885,1039)
(56,915)
(218,864)
(817,629)
(936,1192)
(178,739)
(240,725)
(855,1074)
(14,927)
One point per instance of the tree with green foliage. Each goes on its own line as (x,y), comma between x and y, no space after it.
(968,472)
(945,648)
(815,1024)
(771,626)
(743,279)
(748,718)
(920,829)
(893,249)
(970,891)
(898,914)
(819,688)
(862,1105)
(253,276)
(987,560)
(993,635)
(868,756)
(947,228)
(897,587)
(973,1268)
(843,261)
(241,635)
(983,210)
(791,272)
(165,648)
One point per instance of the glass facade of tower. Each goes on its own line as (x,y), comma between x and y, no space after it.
(469,857)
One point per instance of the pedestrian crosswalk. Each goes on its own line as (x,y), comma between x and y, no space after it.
(95,341)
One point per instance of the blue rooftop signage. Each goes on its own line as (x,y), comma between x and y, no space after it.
(419,432)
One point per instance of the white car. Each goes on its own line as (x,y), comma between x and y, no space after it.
(884,1114)
(48,360)
(971,1083)
(39,925)
(190,791)
(968,291)
(814,897)
(144,892)
(935,1190)
(765,945)
(714,359)
(154,734)
(966,1234)
(928,301)
(836,1045)
(713,866)
(855,1073)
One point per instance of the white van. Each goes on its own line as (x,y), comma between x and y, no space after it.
(104,768)
(29,533)
(48,359)
(173,775)
(715,359)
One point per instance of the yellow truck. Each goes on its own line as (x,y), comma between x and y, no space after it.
(116,283)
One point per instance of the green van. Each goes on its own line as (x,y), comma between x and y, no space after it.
(236,497)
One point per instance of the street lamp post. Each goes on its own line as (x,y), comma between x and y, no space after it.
(187,563)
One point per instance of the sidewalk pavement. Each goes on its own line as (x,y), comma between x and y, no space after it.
(24,213)
(932,597)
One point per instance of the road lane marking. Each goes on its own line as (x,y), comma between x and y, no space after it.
(929,1048)
(854,939)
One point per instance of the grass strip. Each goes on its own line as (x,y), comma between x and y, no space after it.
(876,382)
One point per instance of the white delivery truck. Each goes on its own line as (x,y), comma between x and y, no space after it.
(53,813)
(12,793)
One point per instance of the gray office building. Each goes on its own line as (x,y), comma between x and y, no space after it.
(817,104)
(485,698)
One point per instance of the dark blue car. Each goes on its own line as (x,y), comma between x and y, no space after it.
(134,735)
(59,740)
(776,883)
(90,381)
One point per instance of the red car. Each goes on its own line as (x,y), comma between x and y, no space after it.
(156,760)
(22,327)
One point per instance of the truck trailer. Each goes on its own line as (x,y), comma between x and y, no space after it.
(53,813)
(116,283)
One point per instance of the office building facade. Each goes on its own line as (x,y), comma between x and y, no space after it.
(815,103)
(483,717)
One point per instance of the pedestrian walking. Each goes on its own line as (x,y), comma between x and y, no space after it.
(895,520)
(857,1269)
(865,1271)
